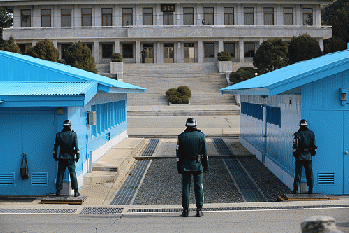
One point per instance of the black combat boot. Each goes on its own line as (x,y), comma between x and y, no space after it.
(185,212)
(310,190)
(58,193)
(76,193)
(199,212)
(295,189)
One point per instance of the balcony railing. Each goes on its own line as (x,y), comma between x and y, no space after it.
(172,31)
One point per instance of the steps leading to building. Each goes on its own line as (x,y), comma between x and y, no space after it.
(203,80)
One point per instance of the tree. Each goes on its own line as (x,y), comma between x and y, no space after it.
(303,48)
(10,46)
(242,74)
(6,21)
(328,13)
(80,56)
(340,27)
(333,45)
(271,55)
(44,50)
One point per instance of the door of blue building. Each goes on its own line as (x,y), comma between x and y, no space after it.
(331,162)
(31,133)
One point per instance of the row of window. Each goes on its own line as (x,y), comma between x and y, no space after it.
(256,111)
(109,115)
(148,16)
(148,50)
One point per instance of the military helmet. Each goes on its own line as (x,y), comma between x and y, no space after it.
(303,123)
(66,123)
(191,122)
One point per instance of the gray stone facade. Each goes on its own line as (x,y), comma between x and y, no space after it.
(186,31)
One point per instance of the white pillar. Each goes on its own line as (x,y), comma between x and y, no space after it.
(220,46)
(117,47)
(177,15)
(36,16)
(259,15)
(96,15)
(279,15)
(239,18)
(200,51)
(96,51)
(56,17)
(321,43)
(16,18)
(76,16)
(241,51)
(179,54)
(298,16)
(138,51)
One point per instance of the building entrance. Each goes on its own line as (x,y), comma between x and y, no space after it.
(189,53)
(148,53)
(168,53)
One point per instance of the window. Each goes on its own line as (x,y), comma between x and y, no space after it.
(86,17)
(168,18)
(88,45)
(230,48)
(209,50)
(107,50)
(307,16)
(188,16)
(248,15)
(45,18)
(249,48)
(66,18)
(26,18)
(127,16)
(288,16)
(268,13)
(127,50)
(147,16)
(228,15)
(208,16)
(107,17)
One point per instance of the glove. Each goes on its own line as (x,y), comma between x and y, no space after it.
(76,160)
(56,159)
(205,169)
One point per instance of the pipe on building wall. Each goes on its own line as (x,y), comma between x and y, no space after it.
(265,138)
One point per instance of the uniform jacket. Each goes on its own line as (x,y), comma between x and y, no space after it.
(304,144)
(191,144)
(68,143)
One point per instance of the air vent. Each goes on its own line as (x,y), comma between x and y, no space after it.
(7,178)
(325,178)
(39,178)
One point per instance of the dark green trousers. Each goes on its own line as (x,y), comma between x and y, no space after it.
(308,172)
(198,189)
(62,165)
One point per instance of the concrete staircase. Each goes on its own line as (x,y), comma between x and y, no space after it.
(203,80)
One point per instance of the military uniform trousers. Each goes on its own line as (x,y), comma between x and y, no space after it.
(62,165)
(198,188)
(308,172)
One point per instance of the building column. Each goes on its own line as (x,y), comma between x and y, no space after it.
(96,16)
(159,52)
(200,51)
(117,47)
(298,16)
(220,46)
(317,16)
(259,15)
(241,51)
(55,44)
(96,51)
(16,18)
(239,15)
(321,44)
(279,16)
(177,15)
(158,15)
(138,51)
(56,17)
(178,52)
(76,16)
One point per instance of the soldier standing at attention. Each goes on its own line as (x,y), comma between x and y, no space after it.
(304,147)
(67,140)
(192,159)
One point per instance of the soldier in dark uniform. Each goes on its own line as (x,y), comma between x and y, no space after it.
(192,160)
(67,140)
(304,147)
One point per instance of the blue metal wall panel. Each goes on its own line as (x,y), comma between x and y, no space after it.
(279,134)
(30,132)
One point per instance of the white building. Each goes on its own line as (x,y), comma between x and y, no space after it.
(152,31)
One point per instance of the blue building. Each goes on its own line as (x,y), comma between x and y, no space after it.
(272,105)
(36,96)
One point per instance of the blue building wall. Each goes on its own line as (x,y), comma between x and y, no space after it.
(329,119)
(282,114)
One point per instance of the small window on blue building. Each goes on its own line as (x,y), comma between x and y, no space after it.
(274,116)
(253,110)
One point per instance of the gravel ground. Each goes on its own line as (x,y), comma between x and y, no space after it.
(162,185)
(270,185)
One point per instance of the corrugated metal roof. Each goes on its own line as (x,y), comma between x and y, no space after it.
(71,71)
(45,88)
(290,77)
